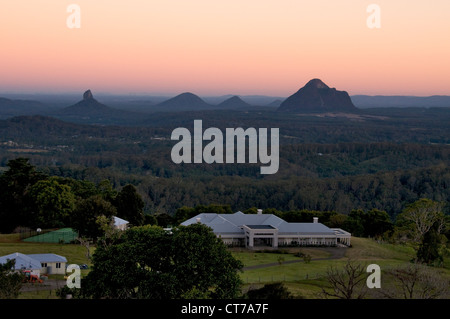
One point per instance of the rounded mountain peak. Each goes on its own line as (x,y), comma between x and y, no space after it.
(315,97)
(317,83)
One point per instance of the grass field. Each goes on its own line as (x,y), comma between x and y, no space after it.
(75,254)
(307,279)
(301,278)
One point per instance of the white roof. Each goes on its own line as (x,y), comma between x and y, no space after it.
(22,261)
(119,221)
(233,223)
(48,258)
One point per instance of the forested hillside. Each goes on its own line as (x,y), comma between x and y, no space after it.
(377,158)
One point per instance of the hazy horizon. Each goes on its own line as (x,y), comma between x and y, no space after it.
(173,94)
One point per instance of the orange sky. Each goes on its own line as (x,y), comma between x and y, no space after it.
(209,47)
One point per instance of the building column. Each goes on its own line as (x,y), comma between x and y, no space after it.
(250,241)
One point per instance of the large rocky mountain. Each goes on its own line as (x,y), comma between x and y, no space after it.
(316,96)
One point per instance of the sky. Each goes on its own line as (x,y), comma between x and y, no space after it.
(217,47)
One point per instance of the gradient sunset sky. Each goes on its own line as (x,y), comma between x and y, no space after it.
(215,47)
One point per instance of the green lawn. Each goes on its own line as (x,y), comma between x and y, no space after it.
(307,279)
(251,258)
(302,279)
(75,254)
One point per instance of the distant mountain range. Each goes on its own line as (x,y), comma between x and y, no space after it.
(315,96)
(9,107)
(368,101)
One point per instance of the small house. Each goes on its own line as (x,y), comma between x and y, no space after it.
(51,264)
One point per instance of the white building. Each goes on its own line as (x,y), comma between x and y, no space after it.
(38,264)
(252,230)
(51,264)
(23,262)
(120,223)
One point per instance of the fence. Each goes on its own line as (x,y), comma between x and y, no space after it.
(255,279)
(62,236)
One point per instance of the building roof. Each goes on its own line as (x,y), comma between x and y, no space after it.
(48,258)
(233,223)
(32,261)
(22,261)
(119,221)
(260,226)
(305,228)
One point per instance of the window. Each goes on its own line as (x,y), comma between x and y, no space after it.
(58,265)
(43,265)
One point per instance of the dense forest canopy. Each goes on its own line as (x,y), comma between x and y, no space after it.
(374,159)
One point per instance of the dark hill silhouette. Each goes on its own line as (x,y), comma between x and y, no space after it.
(185,101)
(368,101)
(233,103)
(89,107)
(275,103)
(89,110)
(316,96)
(9,107)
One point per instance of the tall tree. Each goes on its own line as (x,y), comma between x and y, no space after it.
(376,223)
(10,281)
(148,262)
(85,215)
(130,205)
(428,251)
(421,216)
(203,263)
(15,202)
(355,222)
(53,201)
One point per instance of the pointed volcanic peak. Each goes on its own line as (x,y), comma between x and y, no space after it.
(90,111)
(185,101)
(233,102)
(88,106)
(315,97)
